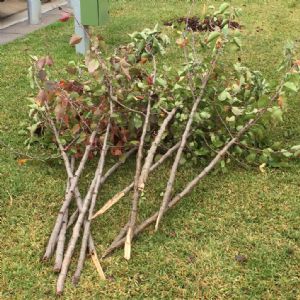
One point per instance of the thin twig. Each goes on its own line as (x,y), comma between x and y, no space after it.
(134,210)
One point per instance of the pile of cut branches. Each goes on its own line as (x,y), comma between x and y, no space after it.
(131,105)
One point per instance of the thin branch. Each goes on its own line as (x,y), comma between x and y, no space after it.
(152,151)
(73,184)
(190,186)
(134,210)
(115,99)
(76,230)
(62,235)
(87,223)
(186,190)
(187,130)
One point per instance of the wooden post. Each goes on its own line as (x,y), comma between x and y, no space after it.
(80,30)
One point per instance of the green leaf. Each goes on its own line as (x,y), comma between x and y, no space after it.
(205,115)
(238,42)
(277,114)
(223,7)
(286,153)
(295,148)
(291,86)
(161,82)
(251,157)
(93,65)
(230,119)
(224,95)
(213,36)
(237,111)
(137,120)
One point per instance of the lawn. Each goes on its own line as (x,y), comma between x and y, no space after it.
(193,254)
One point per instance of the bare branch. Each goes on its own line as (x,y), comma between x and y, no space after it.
(188,127)
(134,210)
(76,230)
(127,189)
(73,184)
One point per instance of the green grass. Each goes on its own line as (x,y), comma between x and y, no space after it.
(192,256)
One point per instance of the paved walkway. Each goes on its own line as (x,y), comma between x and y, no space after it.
(23,28)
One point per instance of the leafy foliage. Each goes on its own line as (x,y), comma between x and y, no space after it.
(134,73)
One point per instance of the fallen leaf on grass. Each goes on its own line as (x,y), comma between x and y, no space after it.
(241,258)
(65,17)
(75,39)
(22,161)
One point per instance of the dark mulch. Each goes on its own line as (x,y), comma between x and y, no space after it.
(208,24)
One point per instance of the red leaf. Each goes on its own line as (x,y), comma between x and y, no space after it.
(59,111)
(42,75)
(49,61)
(41,98)
(118,149)
(182,42)
(150,80)
(75,39)
(66,119)
(65,17)
(75,129)
(124,135)
(41,63)
(22,161)
(280,102)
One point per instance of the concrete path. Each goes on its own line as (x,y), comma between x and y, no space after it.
(21,29)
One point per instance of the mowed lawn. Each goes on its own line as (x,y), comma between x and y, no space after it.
(193,255)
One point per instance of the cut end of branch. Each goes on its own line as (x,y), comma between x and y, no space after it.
(97,265)
(108,205)
(75,280)
(56,269)
(45,258)
(157,222)
(127,251)
(127,246)
(141,187)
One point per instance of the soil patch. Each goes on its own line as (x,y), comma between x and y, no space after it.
(208,24)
